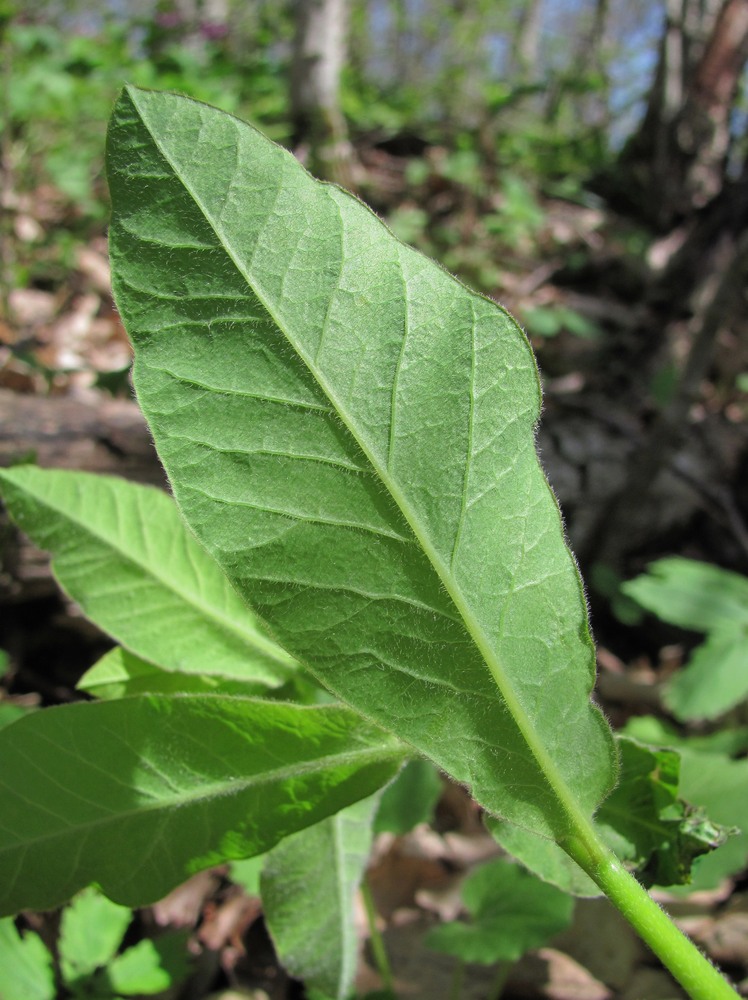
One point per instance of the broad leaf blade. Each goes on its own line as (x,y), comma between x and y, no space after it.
(308,888)
(123,553)
(137,794)
(363,462)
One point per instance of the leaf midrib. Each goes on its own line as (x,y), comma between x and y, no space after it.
(579,821)
(346,931)
(231,786)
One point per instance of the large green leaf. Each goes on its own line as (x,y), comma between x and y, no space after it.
(350,431)
(139,793)
(123,553)
(308,889)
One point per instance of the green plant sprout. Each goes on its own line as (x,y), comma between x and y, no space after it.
(349,436)
(91,932)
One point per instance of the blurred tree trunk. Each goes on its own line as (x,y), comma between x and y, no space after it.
(319,54)
(593,40)
(675,163)
(592,65)
(526,56)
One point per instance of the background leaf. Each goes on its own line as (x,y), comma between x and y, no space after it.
(246,873)
(715,679)
(123,553)
(149,966)
(646,824)
(410,799)
(9,712)
(702,598)
(308,889)
(510,912)
(91,931)
(26,971)
(139,793)
(695,595)
(363,465)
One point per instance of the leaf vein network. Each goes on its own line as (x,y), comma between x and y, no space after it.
(305,518)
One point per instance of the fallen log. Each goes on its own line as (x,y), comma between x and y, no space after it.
(97,433)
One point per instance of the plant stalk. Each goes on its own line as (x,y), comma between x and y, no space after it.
(695,973)
(502,975)
(458,974)
(376,940)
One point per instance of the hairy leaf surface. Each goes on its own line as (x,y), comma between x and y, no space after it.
(139,793)
(308,888)
(119,673)
(645,821)
(123,553)
(350,431)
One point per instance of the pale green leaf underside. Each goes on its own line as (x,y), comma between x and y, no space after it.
(350,432)
(308,889)
(123,553)
(119,673)
(543,857)
(139,793)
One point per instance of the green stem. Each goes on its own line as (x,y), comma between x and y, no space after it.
(378,949)
(502,974)
(458,972)
(695,973)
